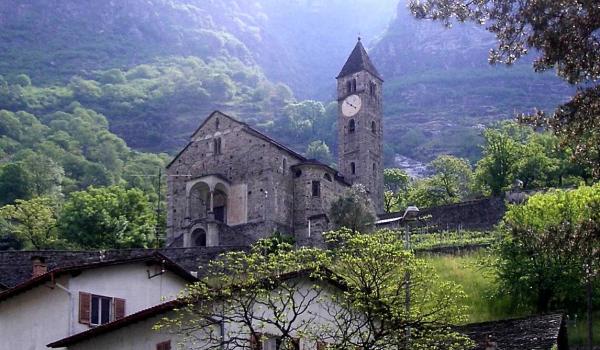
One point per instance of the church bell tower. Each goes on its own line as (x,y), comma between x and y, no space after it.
(360,129)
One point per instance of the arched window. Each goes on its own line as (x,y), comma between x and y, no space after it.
(372,89)
(199,238)
(349,86)
(353,85)
(351,126)
(316,188)
(284,166)
(217,123)
(217,145)
(328,177)
(353,168)
(373,127)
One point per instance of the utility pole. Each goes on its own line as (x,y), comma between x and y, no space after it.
(158,187)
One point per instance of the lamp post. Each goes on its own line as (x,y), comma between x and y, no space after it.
(410,214)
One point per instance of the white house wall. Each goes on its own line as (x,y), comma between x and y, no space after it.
(31,320)
(44,314)
(140,336)
(129,282)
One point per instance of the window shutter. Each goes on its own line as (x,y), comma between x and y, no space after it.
(255,341)
(119,308)
(164,345)
(85,304)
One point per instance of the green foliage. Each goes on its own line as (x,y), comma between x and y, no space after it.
(395,182)
(451,182)
(512,152)
(14,183)
(251,290)
(33,222)
(551,248)
(365,307)
(564,36)
(320,151)
(353,210)
(109,217)
(375,268)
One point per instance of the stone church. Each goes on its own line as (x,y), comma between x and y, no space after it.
(232,185)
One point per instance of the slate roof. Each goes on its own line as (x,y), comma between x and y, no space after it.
(540,332)
(358,61)
(16,266)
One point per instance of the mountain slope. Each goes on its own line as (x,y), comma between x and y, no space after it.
(440,90)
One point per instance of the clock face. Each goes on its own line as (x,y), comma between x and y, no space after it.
(351,105)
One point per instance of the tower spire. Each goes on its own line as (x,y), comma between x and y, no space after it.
(359,61)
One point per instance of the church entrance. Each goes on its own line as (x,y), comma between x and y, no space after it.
(199,237)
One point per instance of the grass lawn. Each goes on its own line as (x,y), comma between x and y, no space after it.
(478,284)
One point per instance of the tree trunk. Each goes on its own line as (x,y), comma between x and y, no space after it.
(590,334)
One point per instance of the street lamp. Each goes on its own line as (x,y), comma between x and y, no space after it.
(410,214)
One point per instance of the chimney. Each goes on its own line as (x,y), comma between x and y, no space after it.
(490,344)
(39,266)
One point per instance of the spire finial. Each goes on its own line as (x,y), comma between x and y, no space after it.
(359,36)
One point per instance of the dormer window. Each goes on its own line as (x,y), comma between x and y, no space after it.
(351,126)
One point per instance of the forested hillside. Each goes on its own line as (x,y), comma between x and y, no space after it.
(156,68)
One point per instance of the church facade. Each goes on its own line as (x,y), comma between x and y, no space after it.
(232,185)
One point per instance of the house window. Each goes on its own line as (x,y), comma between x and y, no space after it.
(101,310)
(217,145)
(353,168)
(270,342)
(217,124)
(96,310)
(316,188)
(166,345)
(351,126)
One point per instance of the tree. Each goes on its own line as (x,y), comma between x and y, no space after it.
(392,300)
(33,222)
(107,218)
(500,153)
(320,151)
(553,248)
(453,176)
(360,304)
(247,293)
(395,182)
(353,210)
(564,35)
(46,176)
(14,183)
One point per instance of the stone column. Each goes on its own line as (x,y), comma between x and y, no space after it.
(211,211)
